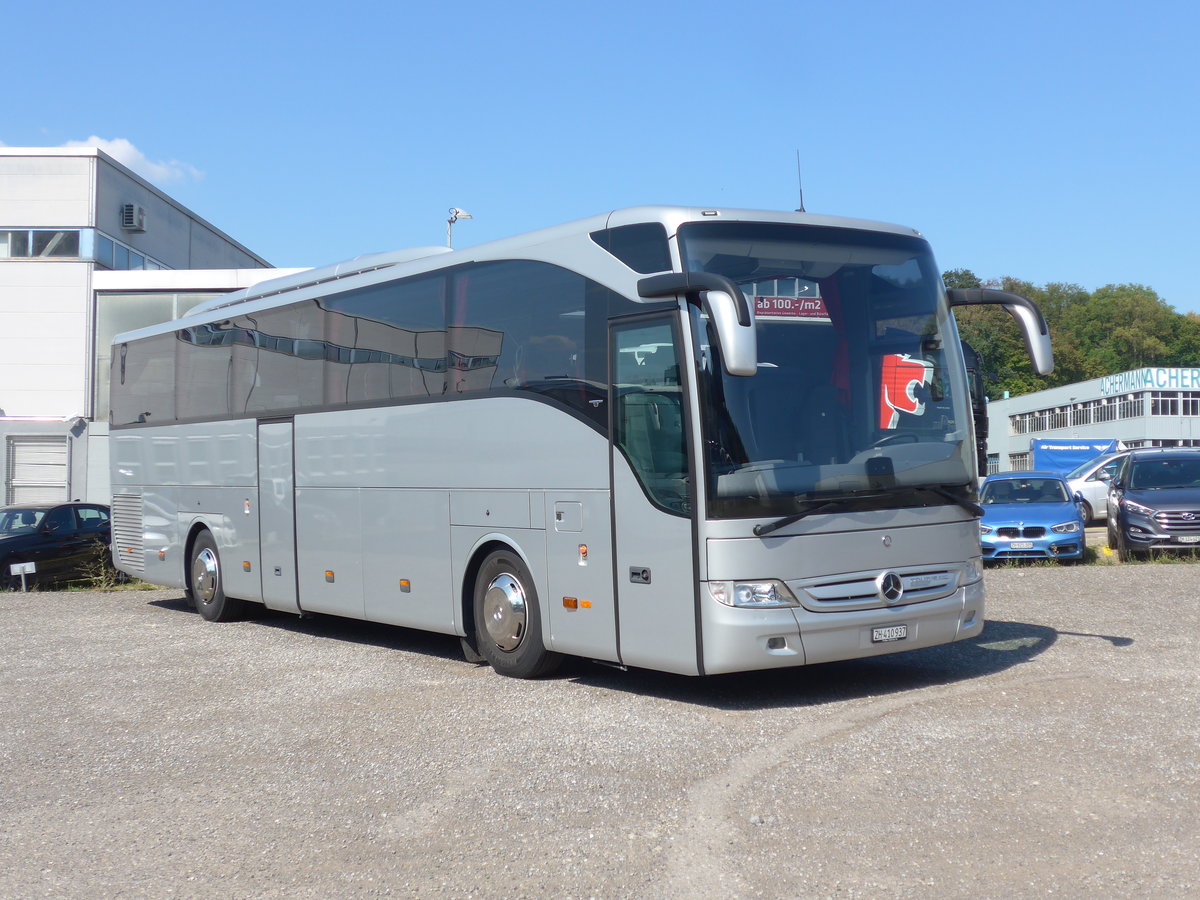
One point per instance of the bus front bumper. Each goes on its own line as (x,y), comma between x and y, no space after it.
(738,640)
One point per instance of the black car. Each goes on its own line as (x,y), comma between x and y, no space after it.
(1154,503)
(62,541)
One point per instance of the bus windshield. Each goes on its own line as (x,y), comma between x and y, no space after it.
(860,390)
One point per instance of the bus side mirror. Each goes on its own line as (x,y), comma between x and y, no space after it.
(727,307)
(1025,311)
(739,343)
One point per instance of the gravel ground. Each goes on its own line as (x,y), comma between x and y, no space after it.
(148,753)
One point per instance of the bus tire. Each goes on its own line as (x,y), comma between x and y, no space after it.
(206,586)
(508,624)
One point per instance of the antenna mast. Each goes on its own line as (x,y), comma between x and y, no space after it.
(800,182)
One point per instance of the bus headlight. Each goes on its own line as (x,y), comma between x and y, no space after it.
(974,571)
(752,594)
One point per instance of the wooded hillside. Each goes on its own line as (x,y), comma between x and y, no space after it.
(1113,329)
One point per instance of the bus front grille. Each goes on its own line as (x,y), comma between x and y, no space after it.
(861,590)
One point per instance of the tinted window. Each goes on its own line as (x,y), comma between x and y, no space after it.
(144,371)
(648,418)
(56,243)
(642,247)
(389,341)
(60,519)
(1165,473)
(20,521)
(490,327)
(515,325)
(529,326)
(91,516)
(283,367)
(1024,490)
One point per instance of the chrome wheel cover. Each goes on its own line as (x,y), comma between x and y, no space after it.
(205,575)
(505,612)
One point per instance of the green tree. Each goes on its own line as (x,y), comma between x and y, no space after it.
(1113,329)
(961,278)
(1123,326)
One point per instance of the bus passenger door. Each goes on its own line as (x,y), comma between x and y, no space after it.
(277,515)
(655,558)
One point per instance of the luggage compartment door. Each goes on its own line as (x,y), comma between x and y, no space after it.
(277,515)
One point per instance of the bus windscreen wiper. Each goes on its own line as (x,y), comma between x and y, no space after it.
(819,504)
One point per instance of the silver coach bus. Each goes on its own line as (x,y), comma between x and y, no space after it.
(692,440)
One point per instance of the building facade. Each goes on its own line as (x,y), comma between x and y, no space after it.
(1148,407)
(87,249)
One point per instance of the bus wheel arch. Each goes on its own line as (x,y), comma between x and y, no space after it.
(186,562)
(204,581)
(502,614)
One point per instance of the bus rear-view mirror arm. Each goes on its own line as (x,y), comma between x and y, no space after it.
(1025,311)
(727,306)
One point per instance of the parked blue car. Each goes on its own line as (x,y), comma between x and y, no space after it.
(1030,515)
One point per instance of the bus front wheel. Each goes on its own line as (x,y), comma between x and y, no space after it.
(508,625)
(206,587)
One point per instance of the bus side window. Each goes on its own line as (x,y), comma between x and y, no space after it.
(649,411)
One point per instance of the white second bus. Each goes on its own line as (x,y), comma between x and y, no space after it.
(692,440)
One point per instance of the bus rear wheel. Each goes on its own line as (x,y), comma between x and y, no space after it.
(508,624)
(206,587)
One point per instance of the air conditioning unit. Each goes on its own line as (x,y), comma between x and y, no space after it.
(133,217)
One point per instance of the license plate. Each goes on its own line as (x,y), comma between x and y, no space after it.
(1022,545)
(889,633)
(1189,539)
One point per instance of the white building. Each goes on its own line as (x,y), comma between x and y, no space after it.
(87,249)
(1150,407)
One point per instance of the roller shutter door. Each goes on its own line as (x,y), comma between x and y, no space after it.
(36,470)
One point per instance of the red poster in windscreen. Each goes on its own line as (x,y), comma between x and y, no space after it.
(901,376)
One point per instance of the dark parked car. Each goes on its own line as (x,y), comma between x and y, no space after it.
(1154,503)
(63,541)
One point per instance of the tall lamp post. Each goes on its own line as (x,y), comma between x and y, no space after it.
(455,215)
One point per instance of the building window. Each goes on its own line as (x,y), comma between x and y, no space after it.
(39,244)
(1175,403)
(1019,462)
(14,244)
(34,243)
(104,251)
(1131,406)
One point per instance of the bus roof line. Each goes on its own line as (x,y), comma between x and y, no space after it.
(368,262)
(670,216)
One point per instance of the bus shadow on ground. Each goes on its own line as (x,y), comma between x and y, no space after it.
(1000,646)
(339,628)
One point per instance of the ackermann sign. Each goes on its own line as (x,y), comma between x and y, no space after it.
(1149,379)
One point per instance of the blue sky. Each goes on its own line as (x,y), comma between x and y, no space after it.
(1051,141)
